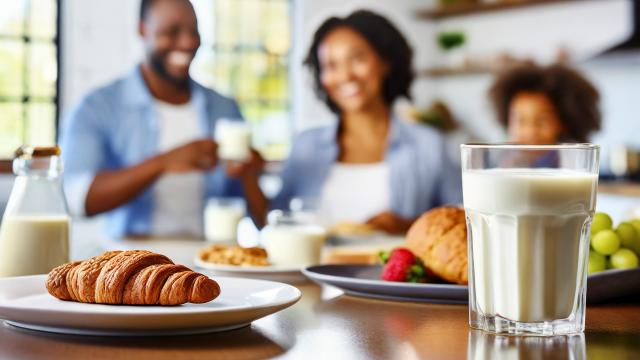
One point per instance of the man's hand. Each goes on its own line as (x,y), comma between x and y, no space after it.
(247,169)
(199,155)
(390,223)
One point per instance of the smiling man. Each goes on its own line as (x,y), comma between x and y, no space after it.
(141,148)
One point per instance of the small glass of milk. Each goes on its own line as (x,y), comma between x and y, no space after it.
(291,240)
(529,211)
(221,219)
(234,140)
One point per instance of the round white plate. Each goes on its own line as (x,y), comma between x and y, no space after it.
(288,274)
(25,302)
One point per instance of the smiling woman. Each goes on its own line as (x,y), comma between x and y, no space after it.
(373,168)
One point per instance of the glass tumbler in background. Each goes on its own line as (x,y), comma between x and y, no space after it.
(529,212)
(221,219)
(234,140)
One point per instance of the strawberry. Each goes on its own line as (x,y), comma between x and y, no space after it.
(402,265)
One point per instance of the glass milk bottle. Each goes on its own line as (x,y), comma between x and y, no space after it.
(34,234)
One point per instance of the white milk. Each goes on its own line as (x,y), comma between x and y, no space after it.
(221,223)
(293,244)
(527,252)
(33,244)
(234,141)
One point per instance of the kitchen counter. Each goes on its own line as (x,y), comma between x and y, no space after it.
(327,324)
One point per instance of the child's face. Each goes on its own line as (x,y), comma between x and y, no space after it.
(533,120)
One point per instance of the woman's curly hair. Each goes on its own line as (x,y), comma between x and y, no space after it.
(386,40)
(574,98)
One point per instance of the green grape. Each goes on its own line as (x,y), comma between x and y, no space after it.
(606,242)
(597,262)
(629,236)
(601,221)
(636,224)
(624,259)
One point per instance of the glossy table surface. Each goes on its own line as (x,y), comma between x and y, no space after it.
(327,324)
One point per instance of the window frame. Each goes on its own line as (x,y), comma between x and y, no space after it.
(240,49)
(26,39)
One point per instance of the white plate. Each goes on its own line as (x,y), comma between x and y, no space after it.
(288,274)
(25,302)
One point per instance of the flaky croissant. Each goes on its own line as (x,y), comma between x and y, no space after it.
(135,277)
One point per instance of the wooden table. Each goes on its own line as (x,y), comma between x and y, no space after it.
(325,324)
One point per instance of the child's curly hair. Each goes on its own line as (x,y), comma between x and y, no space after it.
(575,99)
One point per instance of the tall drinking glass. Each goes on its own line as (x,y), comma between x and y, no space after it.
(529,212)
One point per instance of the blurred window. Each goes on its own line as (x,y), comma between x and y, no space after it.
(28,74)
(245,54)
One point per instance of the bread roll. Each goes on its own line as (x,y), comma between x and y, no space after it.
(439,239)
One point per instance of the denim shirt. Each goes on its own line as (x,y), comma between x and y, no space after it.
(116,127)
(421,177)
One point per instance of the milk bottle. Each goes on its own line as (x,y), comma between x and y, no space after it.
(34,233)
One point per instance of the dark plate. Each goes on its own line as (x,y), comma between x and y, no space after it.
(364,280)
(612,284)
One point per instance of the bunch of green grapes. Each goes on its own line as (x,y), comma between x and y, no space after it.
(611,248)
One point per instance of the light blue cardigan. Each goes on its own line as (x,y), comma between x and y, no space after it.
(421,177)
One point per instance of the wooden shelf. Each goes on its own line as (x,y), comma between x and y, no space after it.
(453,71)
(443,12)
(619,188)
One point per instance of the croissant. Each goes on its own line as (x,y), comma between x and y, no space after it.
(136,277)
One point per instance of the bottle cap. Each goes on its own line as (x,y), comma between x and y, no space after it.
(28,152)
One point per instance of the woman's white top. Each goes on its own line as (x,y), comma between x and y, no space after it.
(178,197)
(354,193)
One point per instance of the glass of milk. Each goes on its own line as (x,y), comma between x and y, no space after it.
(529,211)
(291,240)
(234,140)
(34,234)
(221,219)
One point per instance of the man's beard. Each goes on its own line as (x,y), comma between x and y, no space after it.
(159,68)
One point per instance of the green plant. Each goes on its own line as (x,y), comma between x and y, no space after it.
(451,39)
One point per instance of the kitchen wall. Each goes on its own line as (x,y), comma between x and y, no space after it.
(100,43)
(583,28)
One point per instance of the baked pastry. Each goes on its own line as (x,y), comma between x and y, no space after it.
(136,277)
(234,255)
(439,238)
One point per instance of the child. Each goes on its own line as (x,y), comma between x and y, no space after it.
(546,105)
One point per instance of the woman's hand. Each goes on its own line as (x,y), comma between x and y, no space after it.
(199,155)
(248,173)
(247,169)
(390,223)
